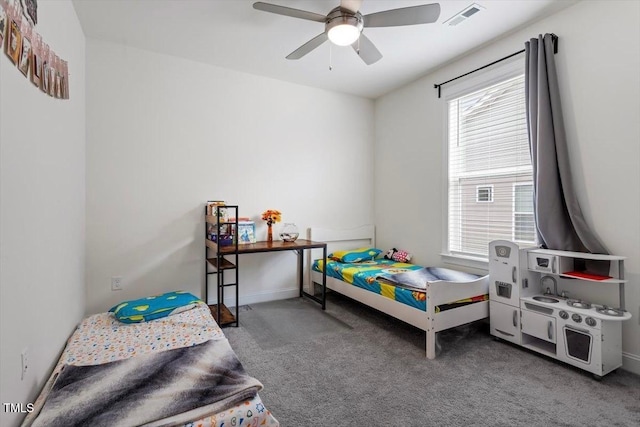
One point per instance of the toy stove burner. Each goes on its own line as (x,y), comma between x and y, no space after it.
(578,304)
(610,311)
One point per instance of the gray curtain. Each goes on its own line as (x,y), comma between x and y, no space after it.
(559,221)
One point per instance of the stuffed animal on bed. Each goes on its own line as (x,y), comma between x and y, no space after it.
(398,255)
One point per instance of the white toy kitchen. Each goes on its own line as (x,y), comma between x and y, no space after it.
(566,305)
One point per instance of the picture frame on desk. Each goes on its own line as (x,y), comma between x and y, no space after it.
(246,232)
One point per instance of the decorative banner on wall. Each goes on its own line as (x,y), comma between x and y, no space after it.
(30,8)
(3,25)
(28,52)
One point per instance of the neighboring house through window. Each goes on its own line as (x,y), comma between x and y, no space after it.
(523,221)
(490,191)
(484,193)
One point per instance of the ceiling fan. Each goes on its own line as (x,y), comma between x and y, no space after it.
(344,24)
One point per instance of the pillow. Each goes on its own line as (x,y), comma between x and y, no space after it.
(398,255)
(355,255)
(154,307)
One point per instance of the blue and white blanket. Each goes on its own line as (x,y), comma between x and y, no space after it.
(418,279)
(167,388)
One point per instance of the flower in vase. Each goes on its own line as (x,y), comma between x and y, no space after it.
(271,216)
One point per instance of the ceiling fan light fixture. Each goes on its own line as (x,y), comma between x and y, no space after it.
(343,27)
(343,34)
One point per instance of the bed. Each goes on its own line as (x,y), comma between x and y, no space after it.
(102,342)
(442,305)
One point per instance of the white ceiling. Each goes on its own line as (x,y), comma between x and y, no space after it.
(231,34)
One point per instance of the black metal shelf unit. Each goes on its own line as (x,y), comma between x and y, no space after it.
(221,232)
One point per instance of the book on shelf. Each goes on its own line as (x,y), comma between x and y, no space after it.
(586,275)
(212,206)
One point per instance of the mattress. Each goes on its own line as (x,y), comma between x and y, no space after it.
(102,339)
(365,275)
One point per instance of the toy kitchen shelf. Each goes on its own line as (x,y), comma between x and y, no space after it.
(596,268)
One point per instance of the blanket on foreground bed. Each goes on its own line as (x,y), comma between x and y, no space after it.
(418,279)
(167,388)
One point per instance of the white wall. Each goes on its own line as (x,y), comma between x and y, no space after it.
(599,70)
(42,212)
(166,134)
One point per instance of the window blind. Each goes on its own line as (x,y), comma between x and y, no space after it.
(490,176)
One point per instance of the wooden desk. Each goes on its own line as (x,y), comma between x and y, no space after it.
(298,246)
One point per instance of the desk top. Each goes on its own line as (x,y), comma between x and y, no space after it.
(276,245)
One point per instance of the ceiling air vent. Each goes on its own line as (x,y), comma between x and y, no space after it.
(463,15)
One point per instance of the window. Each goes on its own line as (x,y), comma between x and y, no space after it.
(523,221)
(490,191)
(484,193)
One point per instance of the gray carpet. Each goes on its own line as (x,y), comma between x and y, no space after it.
(351,365)
(279,323)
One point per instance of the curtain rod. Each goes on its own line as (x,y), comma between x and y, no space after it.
(439,85)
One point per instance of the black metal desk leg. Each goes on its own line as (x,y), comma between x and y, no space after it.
(300,269)
(324,277)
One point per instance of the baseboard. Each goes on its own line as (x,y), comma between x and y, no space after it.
(262,297)
(631,363)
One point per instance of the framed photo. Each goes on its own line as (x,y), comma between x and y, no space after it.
(36,69)
(52,81)
(43,53)
(63,86)
(30,10)
(14,42)
(25,56)
(65,80)
(58,86)
(3,25)
(44,79)
(51,77)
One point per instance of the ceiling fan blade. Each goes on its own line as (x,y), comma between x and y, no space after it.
(351,5)
(423,14)
(288,11)
(308,46)
(366,50)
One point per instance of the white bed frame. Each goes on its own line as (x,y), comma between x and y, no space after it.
(438,293)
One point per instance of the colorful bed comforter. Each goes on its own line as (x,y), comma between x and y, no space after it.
(366,275)
(100,339)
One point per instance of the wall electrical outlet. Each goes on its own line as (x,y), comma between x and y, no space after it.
(24,357)
(116,283)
